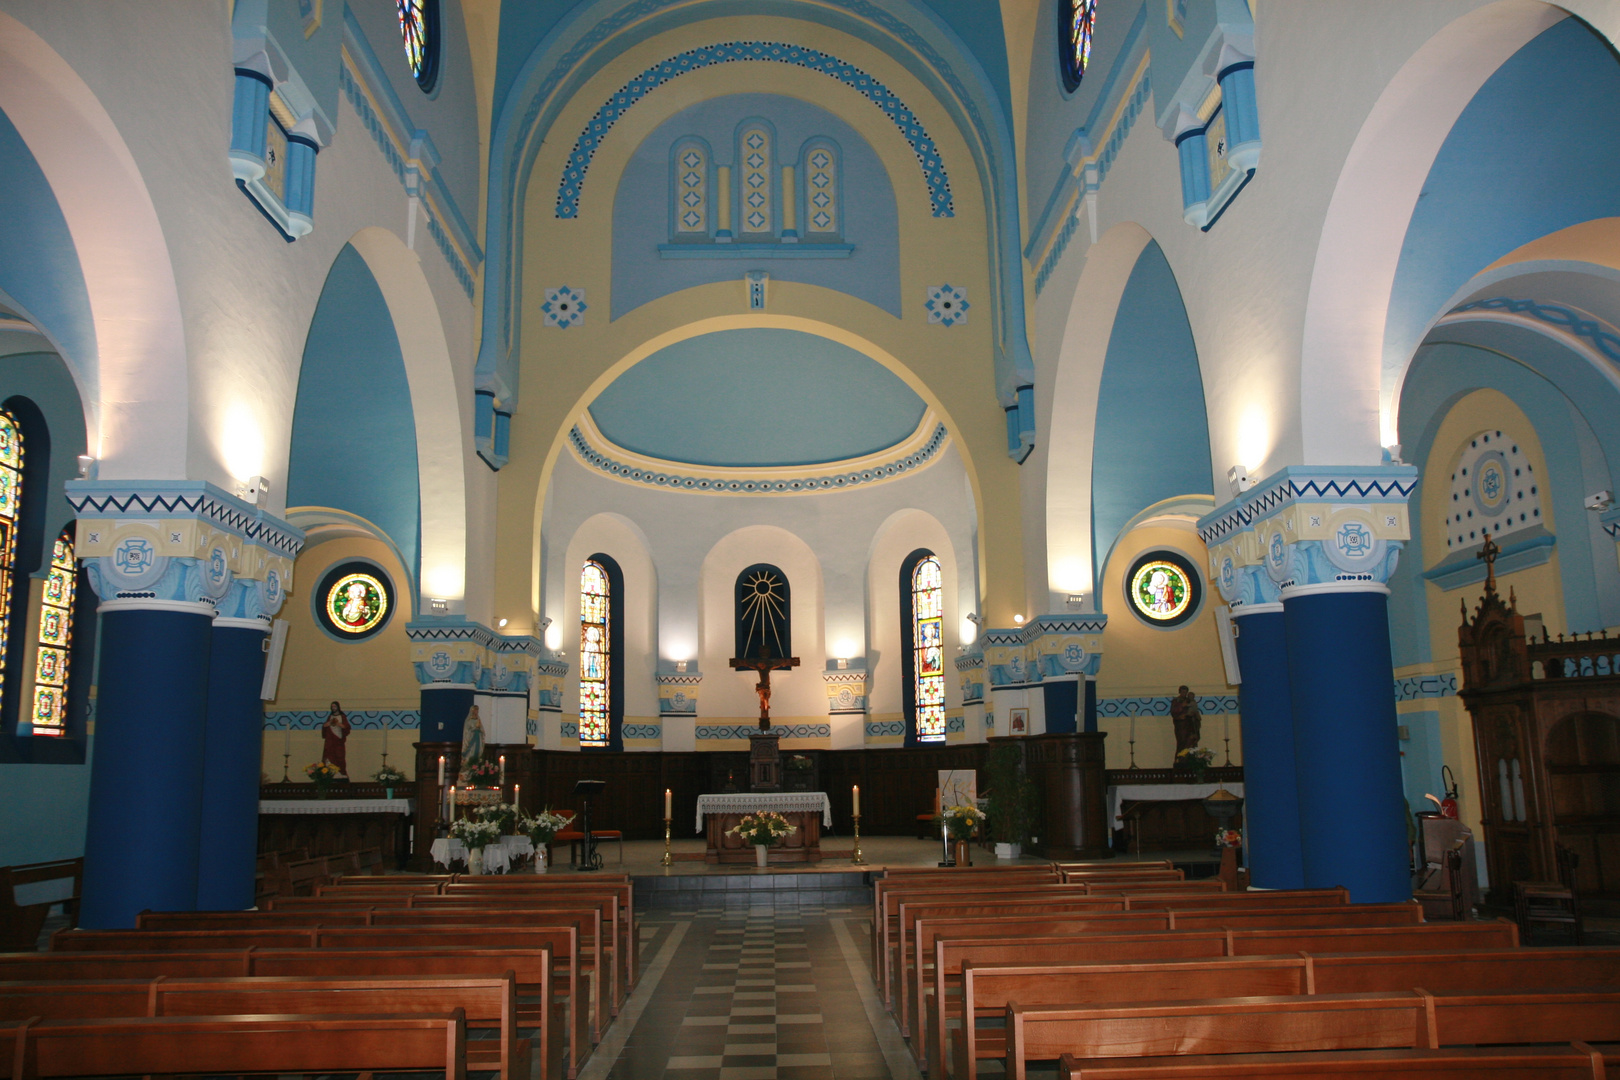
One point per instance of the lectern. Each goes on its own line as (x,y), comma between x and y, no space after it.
(589,860)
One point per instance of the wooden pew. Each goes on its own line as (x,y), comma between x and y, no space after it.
(238,1044)
(1024,947)
(1576,1062)
(544,985)
(20,923)
(1393,1020)
(907,877)
(990,990)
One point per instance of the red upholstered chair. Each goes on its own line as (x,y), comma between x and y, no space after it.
(575,838)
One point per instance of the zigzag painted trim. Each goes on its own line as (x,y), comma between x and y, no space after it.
(579,160)
(200,505)
(454,633)
(1273,498)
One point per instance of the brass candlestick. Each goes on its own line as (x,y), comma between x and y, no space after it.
(666,860)
(285,758)
(858,858)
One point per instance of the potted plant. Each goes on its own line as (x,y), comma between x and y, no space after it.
(762,829)
(541,829)
(1012,800)
(477,835)
(1195,760)
(960,823)
(324,774)
(388,776)
(503,815)
(484,774)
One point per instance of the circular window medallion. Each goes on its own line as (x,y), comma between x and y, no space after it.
(1163,588)
(419,29)
(355,600)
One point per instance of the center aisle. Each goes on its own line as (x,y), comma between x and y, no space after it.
(756,995)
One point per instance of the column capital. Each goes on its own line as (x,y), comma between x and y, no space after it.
(970,673)
(454,651)
(846,687)
(185,541)
(677,691)
(1310,528)
(1046,647)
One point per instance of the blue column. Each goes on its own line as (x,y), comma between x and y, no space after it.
(146,798)
(1270,789)
(444,710)
(232,761)
(1352,817)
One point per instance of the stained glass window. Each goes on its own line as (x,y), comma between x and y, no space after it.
(355,600)
(419,27)
(595,610)
(691,190)
(1075,33)
(821,192)
(1163,588)
(11,463)
(754,174)
(928,648)
(55,639)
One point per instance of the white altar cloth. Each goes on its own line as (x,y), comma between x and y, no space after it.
(1161,793)
(336,806)
(747,802)
(497,857)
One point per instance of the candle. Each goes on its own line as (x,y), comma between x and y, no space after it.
(517,795)
(385,738)
(667,814)
(441,770)
(503,770)
(1133,729)
(857,800)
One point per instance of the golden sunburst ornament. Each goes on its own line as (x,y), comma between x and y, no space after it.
(764,607)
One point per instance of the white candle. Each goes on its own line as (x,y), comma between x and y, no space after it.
(503,770)
(857,800)
(441,770)
(517,795)
(667,814)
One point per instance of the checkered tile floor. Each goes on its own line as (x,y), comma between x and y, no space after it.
(759,995)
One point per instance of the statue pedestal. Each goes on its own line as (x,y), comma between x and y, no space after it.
(765,762)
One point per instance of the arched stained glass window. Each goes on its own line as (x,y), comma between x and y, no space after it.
(11,477)
(55,639)
(821,202)
(419,27)
(928,647)
(691,190)
(756,213)
(1079,22)
(595,655)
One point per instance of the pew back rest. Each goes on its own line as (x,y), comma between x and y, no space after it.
(1572,1063)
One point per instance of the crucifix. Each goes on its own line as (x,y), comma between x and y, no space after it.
(1489,551)
(764,664)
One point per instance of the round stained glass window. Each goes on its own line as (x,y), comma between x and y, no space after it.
(355,600)
(1163,588)
(419,27)
(1078,24)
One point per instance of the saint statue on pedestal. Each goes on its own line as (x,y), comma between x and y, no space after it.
(472,745)
(334,740)
(1188,720)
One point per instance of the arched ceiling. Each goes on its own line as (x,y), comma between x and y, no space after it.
(757,397)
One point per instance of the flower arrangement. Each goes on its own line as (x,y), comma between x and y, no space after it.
(1228,838)
(475,834)
(798,763)
(762,829)
(1195,759)
(960,821)
(545,825)
(484,773)
(503,815)
(389,775)
(322,772)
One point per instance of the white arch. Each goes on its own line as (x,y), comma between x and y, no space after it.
(1347,396)
(135,388)
(1069,406)
(435,405)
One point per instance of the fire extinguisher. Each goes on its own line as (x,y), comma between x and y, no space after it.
(1448,805)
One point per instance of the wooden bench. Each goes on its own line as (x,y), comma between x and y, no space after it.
(1022,947)
(1576,1062)
(235,1045)
(22,921)
(1393,1020)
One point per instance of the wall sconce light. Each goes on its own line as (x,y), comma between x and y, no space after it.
(87,467)
(680,666)
(843,663)
(501,624)
(439,607)
(973,618)
(255,490)
(1018,620)
(1239,480)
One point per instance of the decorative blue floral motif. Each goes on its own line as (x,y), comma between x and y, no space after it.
(579,161)
(1354,539)
(564,307)
(133,556)
(946,305)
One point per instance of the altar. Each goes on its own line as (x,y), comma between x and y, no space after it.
(807,811)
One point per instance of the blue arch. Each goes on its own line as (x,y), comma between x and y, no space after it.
(1151,441)
(353,432)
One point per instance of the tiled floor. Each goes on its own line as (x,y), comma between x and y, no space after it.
(755,995)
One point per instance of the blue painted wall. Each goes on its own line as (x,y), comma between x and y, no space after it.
(979,27)
(641,207)
(353,433)
(39,266)
(1536,150)
(757,397)
(1152,436)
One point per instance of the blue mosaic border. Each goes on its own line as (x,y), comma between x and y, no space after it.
(579,160)
(1416,687)
(1566,319)
(570,730)
(877,729)
(531,727)
(954,724)
(1160,706)
(763,485)
(364,719)
(642,731)
(742,731)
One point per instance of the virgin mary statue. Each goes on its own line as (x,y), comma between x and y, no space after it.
(472,745)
